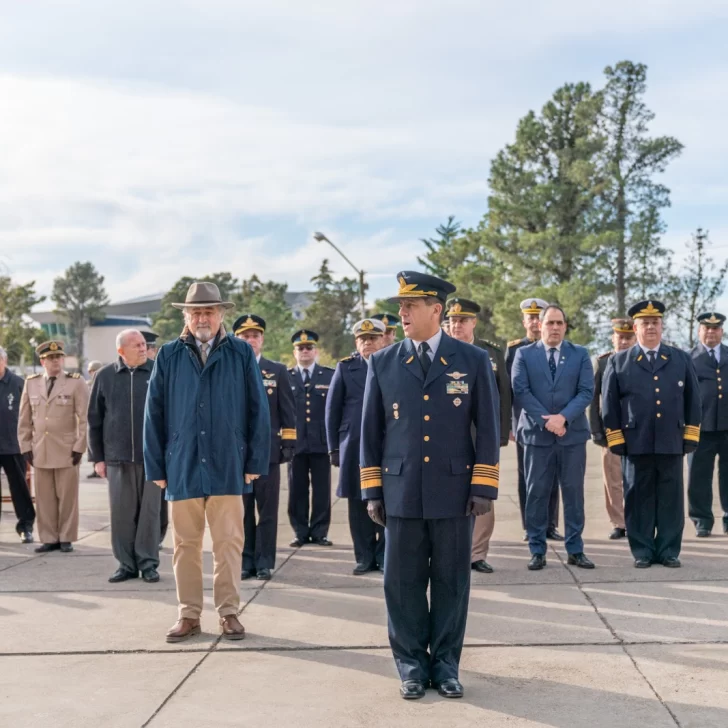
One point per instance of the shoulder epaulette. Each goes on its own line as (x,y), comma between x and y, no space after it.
(514,342)
(33,376)
(74,375)
(348,358)
(292,370)
(493,344)
(605,355)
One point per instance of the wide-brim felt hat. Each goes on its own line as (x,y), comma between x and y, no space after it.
(202,294)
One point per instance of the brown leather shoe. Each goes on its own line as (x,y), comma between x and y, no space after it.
(231,628)
(183,629)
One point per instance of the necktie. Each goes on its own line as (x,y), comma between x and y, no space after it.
(306,378)
(424,357)
(552,362)
(651,356)
(204,350)
(49,386)
(712,354)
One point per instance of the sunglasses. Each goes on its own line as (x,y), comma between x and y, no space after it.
(306,347)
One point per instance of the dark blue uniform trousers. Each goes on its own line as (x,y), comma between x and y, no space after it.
(553,499)
(309,521)
(368,537)
(700,479)
(421,552)
(259,547)
(542,464)
(654,511)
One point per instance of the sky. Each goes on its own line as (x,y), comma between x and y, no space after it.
(165,138)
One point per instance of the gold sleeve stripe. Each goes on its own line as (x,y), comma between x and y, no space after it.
(692,432)
(370,476)
(481,480)
(370,470)
(372,484)
(288,433)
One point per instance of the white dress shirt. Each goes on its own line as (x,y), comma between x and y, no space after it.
(310,369)
(557,353)
(432,342)
(716,351)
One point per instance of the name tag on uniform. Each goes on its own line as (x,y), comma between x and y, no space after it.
(322,386)
(457,388)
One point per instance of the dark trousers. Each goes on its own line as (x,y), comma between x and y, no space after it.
(553,498)
(163,517)
(654,511)
(311,469)
(427,640)
(134,509)
(14,467)
(368,537)
(700,479)
(543,466)
(259,548)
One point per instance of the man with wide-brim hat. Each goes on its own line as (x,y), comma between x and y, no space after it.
(424,476)
(206,439)
(52,436)
(651,411)
(710,358)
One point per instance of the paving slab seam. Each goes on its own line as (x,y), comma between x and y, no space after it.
(38,556)
(620,642)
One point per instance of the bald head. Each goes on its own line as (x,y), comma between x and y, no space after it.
(131,347)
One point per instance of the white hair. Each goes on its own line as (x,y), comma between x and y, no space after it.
(121,336)
(3,353)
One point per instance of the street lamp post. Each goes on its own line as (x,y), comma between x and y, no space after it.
(322,238)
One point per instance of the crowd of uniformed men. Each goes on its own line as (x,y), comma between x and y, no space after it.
(414,427)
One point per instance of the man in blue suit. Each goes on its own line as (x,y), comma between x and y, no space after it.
(553,384)
(343,432)
(424,476)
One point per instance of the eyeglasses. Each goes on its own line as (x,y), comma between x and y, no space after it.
(305,347)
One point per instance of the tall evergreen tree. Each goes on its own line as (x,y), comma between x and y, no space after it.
(18,334)
(440,259)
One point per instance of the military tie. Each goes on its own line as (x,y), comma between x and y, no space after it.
(651,356)
(49,386)
(712,355)
(424,357)
(204,350)
(552,362)
(306,378)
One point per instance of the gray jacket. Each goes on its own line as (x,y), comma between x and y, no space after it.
(116,413)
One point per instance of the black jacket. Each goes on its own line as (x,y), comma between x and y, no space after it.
(116,413)
(596,426)
(311,409)
(711,378)
(282,407)
(502,379)
(11,387)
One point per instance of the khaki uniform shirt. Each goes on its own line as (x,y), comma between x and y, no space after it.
(53,427)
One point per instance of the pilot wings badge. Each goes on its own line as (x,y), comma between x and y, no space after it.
(456,375)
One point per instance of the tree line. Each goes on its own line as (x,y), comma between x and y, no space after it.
(574,215)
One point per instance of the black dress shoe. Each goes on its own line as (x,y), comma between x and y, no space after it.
(323,541)
(580,560)
(672,562)
(482,566)
(412,689)
(298,542)
(450,688)
(122,574)
(66,547)
(642,563)
(617,533)
(360,569)
(263,574)
(44,548)
(537,562)
(553,535)
(26,536)
(151,576)
(247,574)
(702,532)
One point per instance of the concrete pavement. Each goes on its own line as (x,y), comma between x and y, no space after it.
(561,647)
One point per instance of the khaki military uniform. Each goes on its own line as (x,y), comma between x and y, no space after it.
(53,428)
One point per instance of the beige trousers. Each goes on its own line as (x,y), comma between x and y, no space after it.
(224,515)
(56,504)
(482,531)
(613,489)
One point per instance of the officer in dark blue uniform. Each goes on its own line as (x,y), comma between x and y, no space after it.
(530,311)
(392,323)
(651,411)
(259,548)
(710,359)
(343,430)
(310,384)
(424,472)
